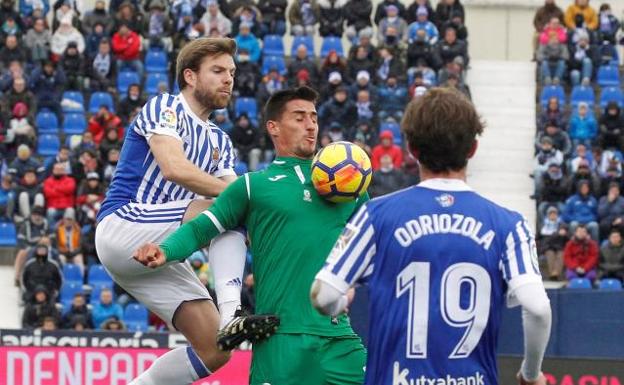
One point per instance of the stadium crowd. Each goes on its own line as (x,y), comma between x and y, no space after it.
(73,79)
(579,143)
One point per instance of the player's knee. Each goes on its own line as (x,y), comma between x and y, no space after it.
(214,358)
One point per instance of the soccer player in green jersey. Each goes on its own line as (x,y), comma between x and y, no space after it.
(291,230)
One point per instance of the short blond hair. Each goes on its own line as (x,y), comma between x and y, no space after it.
(194,52)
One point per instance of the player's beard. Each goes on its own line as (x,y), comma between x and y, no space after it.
(212,100)
(306,151)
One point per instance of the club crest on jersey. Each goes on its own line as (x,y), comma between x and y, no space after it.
(168,118)
(445,200)
(215,154)
(307,196)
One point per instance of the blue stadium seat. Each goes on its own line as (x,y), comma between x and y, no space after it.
(77,98)
(152,81)
(68,290)
(329,43)
(246,105)
(395,128)
(135,317)
(611,94)
(306,40)
(241,167)
(269,62)
(99,276)
(156,60)
(608,76)
(74,123)
(101,99)
(582,94)
(273,45)
(551,91)
(579,283)
(46,122)
(48,145)
(8,234)
(610,284)
(125,79)
(72,273)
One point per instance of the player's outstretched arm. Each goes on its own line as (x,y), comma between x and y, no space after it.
(176,168)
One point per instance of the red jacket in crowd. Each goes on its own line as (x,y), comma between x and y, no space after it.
(382,149)
(59,193)
(99,124)
(581,254)
(126,47)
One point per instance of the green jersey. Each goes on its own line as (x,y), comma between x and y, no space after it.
(291,230)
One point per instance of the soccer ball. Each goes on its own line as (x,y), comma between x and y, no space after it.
(341,172)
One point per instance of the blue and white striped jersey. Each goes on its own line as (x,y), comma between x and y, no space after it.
(439,260)
(138,177)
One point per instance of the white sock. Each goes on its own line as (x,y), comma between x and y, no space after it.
(226,256)
(180,366)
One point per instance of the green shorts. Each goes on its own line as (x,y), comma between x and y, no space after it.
(305,359)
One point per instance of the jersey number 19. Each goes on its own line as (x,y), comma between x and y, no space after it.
(414,280)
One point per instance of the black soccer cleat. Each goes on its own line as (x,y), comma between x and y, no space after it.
(244,327)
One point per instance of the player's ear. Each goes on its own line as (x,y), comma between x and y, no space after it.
(473,149)
(190,77)
(272,127)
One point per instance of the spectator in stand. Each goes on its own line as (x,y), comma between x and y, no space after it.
(273,16)
(41,270)
(584,173)
(365,133)
(47,82)
(449,48)
(457,22)
(389,66)
(73,65)
(366,109)
(12,51)
(106,309)
(453,81)
(29,194)
(128,15)
(246,140)
(551,190)
(392,100)
(271,83)
(65,34)
(215,19)
(612,127)
(583,126)
(552,238)
(90,196)
(422,22)
(79,311)
(68,239)
(110,141)
(546,156)
(30,233)
(59,190)
(610,159)
(446,9)
(7,198)
(248,41)
(103,70)
(392,29)
(336,132)
(611,260)
(608,25)
(157,27)
(222,119)
(581,209)
(581,7)
(555,28)
(39,307)
(386,146)
(111,165)
(88,160)
(338,109)
(15,70)
(382,10)
(304,15)
(545,14)
(93,39)
(334,63)
(583,58)
(611,210)
(386,179)
(361,62)
(331,17)
(580,156)
(561,140)
(113,325)
(19,94)
(580,255)
(126,45)
(358,17)
(552,114)
(21,127)
(247,75)
(88,244)
(133,100)
(364,40)
(63,156)
(411,13)
(98,15)
(363,83)
(552,58)
(103,121)
(248,14)
(301,61)
(24,162)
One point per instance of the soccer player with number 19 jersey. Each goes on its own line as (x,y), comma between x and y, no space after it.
(440,261)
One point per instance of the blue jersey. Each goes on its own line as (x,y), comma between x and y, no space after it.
(138,177)
(440,260)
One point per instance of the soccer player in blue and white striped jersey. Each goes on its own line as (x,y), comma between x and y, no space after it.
(440,261)
(171,160)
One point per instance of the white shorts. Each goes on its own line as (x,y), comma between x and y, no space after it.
(120,233)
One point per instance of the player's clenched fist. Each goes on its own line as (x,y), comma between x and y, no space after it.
(150,255)
(541,380)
